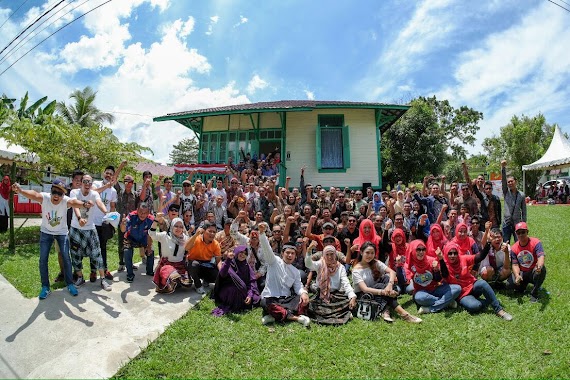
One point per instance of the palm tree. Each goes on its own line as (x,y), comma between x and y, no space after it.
(84,112)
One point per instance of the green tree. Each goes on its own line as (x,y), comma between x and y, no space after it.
(83,110)
(185,152)
(521,142)
(65,146)
(425,138)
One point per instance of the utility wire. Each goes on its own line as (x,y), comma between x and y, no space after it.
(14,49)
(42,41)
(29,26)
(13,13)
(566,9)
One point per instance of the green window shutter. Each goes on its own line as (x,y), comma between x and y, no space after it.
(318,145)
(345,147)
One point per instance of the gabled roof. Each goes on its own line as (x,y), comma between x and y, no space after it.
(391,111)
(557,156)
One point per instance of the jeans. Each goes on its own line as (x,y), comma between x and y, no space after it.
(473,304)
(439,298)
(46,241)
(403,285)
(508,231)
(128,255)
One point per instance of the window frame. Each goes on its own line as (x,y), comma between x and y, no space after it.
(345,144)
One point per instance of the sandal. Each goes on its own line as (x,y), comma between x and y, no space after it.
(386,316)
(410,318)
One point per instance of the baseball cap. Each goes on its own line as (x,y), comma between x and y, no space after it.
(328,224)
(173,207)
(521,226)
(128,178)
(60,185)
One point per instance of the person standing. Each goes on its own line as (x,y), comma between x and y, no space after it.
(126,203)
(4,204)
(83,238)
(54,227)
(515,205)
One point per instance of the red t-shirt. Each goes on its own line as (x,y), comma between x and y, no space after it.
(462,275)
(527,256)
(423,279)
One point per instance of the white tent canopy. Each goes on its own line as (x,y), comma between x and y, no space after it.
(10,153)
(557,156)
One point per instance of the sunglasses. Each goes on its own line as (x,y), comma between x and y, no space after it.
(351,221)
(420,249)
(521,232)
(128,182)
(58,193)
(87,182)
(452,253)
(186,185)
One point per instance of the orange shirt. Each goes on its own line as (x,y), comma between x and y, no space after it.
(204,252)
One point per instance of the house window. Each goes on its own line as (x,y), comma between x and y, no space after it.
(333,149)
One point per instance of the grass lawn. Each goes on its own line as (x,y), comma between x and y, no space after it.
(450,344)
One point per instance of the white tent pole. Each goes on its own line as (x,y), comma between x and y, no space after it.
(524,182)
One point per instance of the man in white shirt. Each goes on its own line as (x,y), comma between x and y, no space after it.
(54,227)
(276,299)
(83,238)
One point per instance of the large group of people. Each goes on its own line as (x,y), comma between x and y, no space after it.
(300,253)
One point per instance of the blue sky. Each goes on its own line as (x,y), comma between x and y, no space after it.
(151,57)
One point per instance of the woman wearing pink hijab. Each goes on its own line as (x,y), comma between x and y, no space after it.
(367,232)
(4,204)
(435,240)
(467,245)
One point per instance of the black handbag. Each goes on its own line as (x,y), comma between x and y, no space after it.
(368,309)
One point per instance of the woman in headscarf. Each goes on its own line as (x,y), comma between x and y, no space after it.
(435,240)
(236,286)
(396,251)
(377,201)
(366,233)
(427,273)
(467,245)
(471,288)
(399,204)
(4,204)
(372,276)
(335,297)
(171,269)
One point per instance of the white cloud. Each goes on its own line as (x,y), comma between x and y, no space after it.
(256,83)
(310,94)
(242,20)
(213,21)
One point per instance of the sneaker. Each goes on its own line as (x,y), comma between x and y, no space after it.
(200,290)
(108,275)
(267,319)
(453,305)
(304,320)
(93,277)
(506,316)
(533,299)
(44,292)
(121,268)
(72,290)
(105,285)
(424,310)
(130,278)
(60,277)
(411,318)
(80,281)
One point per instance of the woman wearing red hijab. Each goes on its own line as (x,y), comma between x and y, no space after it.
(471,288)
(396,251)
(435,240)
(4,205)
(467,245)
(366,232)
(426,274)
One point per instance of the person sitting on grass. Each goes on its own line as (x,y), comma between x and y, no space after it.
(54,227)
(204,255)
(471,288)
(496,266)
(527,258)
(135,227)
(335,297)
(372,276)
(427,274)
(396,250)
(236,286)
(467,245)
(283,298)
(171,270)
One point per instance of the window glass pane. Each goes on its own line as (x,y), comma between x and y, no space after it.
(242,136)
(205,137)
(331,148)
(232,136)
(331,120)
(263,135)
(277,134)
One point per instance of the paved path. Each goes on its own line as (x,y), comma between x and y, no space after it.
(88,336)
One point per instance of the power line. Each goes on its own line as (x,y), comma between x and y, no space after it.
(42,41)
(29,26)
(13,13)
(14,49)
(566,9)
